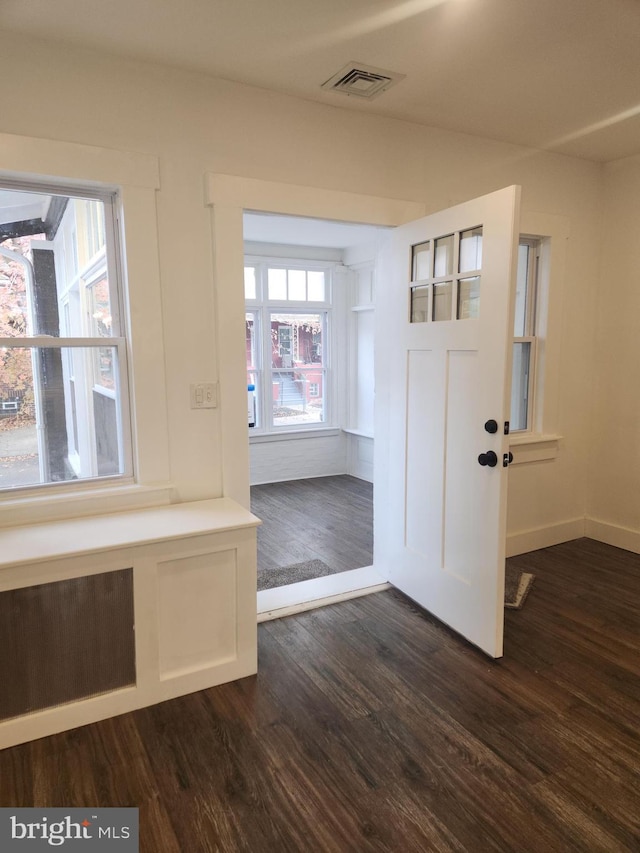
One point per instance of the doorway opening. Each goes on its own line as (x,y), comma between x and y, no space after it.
(309,326)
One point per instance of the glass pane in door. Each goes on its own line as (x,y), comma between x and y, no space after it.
(443,256)
(470,250)
(421,261)
(469,298)
(442,294)
(420,303)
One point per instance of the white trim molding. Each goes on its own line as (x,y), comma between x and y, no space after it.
(228,196)
(296,200)
(555,534)
(22,157)
(136,178)
(545,537)
(613,534)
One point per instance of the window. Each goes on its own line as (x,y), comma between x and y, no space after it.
(62,349)
(288,317)
(446,272)
(524,344)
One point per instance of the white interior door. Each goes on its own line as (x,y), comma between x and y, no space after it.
(444,305)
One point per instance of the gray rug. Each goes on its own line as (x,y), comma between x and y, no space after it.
(270,578)
(517,585)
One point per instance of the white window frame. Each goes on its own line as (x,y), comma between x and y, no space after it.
(109,264)
(262,307)
(542,441)
(135,177)
(530,329)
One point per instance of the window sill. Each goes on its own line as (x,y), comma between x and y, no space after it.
(293,435)
(50,505)
(104,532)
(358,432)
(534,447)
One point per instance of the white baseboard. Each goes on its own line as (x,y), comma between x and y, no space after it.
(613,534)
(544,537)
(602,531)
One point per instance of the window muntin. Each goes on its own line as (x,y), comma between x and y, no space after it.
(470,250)
(421,262)
(62,351)
(287,343)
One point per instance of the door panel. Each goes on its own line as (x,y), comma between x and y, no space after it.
(422,467)
(462,475)
(443,365)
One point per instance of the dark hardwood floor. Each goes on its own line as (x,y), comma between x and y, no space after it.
(323,518)
(371,727)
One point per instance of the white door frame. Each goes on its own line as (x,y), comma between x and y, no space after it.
(229,196)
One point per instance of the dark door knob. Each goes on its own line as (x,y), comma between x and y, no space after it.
(491,426)
(489,458)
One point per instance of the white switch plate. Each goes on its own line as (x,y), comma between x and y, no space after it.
(204,395)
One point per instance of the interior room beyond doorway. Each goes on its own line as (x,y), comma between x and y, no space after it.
(317,526)
(310,299)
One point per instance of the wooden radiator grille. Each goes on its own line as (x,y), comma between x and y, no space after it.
(64,641)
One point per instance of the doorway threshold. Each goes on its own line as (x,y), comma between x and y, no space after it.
(318,592)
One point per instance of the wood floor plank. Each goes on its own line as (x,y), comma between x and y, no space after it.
(373,727)
(322,518)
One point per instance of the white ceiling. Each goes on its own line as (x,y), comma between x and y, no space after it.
(562,75)
(302,231)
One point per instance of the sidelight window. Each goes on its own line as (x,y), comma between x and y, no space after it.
(525,342)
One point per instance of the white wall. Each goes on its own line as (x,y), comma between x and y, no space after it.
(614,458)
(298,458)
(195,124)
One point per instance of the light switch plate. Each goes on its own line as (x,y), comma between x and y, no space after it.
(204,395)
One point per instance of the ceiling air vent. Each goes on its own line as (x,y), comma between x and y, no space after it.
(363,81)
